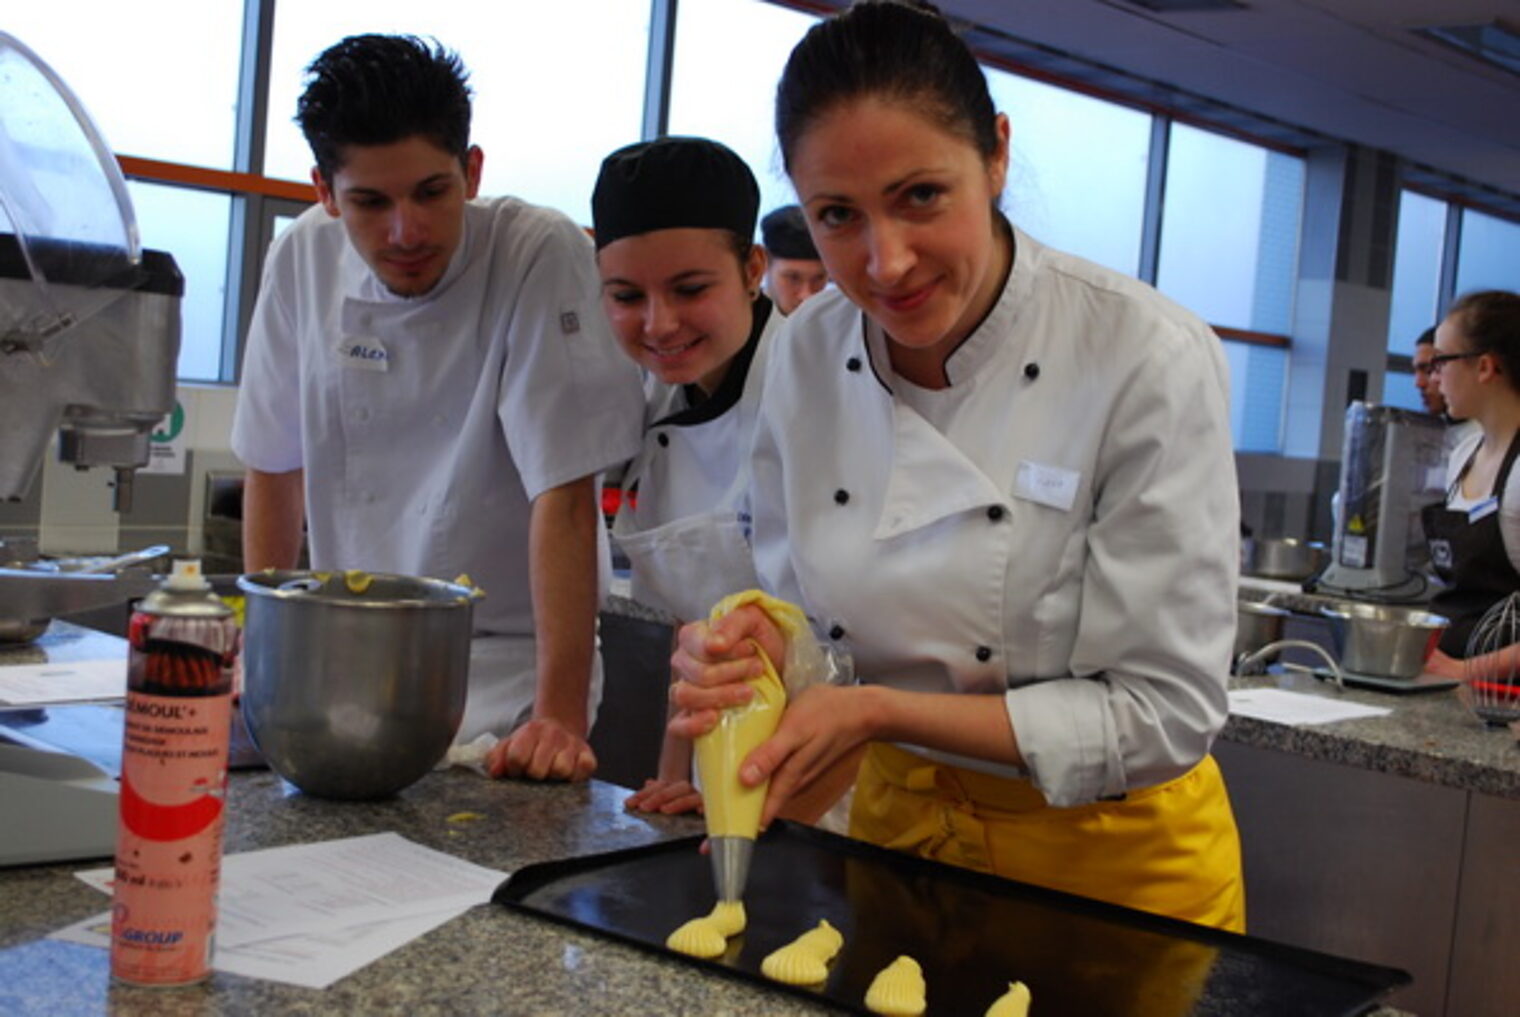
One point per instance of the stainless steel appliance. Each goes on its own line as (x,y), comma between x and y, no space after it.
(89,321)
(1393,464)
(89,339)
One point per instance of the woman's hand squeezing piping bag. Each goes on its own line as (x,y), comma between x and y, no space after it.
(714,663)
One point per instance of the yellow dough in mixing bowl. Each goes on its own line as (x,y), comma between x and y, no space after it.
(804,961)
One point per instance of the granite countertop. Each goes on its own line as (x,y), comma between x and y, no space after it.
(489,960)
(1430,736)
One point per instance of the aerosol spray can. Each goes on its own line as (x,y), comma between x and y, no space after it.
(183,644)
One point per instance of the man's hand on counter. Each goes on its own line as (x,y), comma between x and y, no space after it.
(542,749)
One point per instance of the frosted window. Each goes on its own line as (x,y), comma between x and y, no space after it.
(1489,257)
(1416,270)
(727,92)
(193,226)
(556,85)
(1076,175)
(159,77)
(1230,230)
(1258,378)
(1399,390)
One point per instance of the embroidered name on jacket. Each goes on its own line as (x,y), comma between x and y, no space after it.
(365,354)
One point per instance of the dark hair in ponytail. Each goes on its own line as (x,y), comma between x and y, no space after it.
(1490,321)
(894,50)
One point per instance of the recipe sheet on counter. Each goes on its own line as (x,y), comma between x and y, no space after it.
(310,914)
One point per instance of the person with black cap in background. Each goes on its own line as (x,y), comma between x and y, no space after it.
(795,271)
(673,220)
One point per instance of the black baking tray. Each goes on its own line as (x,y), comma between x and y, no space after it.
(972,933)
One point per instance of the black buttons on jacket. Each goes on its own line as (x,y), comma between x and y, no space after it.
(853,364)
(995,512)
(663,439)
(984,653)
(1031,371)
(841,496)
(836,632)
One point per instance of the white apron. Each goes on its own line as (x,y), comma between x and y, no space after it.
(688,539)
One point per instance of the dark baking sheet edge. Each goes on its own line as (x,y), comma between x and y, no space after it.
(524,881)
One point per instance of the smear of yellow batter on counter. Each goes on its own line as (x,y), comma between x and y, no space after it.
(707,936)
(804,961)
(898,990)
(1013,1003)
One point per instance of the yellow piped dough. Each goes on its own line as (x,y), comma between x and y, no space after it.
(804,961)
(898,990)
(1013,1003)
(707,935)
(357,581)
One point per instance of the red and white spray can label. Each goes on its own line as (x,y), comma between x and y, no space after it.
(173,793)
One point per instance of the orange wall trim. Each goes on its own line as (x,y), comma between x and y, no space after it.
(214,180)
(1240,335)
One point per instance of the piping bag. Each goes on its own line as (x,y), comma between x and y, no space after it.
(733,810)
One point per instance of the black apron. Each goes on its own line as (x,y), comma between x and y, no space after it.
(1469,555)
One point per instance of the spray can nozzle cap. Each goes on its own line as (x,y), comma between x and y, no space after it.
(186,575)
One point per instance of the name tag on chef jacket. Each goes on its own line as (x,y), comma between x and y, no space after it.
(1487,507)
(1046,485)
(364,353)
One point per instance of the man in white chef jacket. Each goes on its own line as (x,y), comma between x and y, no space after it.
(429,387)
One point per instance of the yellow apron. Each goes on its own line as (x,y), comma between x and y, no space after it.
(1172,849)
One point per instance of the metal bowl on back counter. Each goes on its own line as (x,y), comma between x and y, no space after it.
(1257,623)
(354,684)
(1282,557)
(1384,640)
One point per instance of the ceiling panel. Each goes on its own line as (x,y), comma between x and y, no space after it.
(1351,69)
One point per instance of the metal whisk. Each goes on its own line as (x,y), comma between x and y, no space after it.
(1491,671)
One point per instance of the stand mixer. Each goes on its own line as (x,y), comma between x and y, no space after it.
(89,323)
(89,340)
(1393,464)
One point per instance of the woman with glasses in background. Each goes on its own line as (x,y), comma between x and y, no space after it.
(1475,533)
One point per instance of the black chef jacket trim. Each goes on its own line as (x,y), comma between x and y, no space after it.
(1013,254)
(700,408)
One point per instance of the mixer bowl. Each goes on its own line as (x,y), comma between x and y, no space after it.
(1256,625)
(354,690)
(1282,557)
(1383,640)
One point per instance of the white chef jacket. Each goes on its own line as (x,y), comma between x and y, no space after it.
(1061,523)
(687,533)
(426,426)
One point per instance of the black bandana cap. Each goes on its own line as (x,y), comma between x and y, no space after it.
(671,183)
(785,235)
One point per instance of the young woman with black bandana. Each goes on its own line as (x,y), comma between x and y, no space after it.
(674,220)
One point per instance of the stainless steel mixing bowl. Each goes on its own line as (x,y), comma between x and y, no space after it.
(1383,640)
(1256,625)
(354,689)
(1282,557)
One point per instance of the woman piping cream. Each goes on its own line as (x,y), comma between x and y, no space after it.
(1001,478)
(673,220)
(1475,533)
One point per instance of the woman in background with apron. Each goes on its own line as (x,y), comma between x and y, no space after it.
(1002,479)
(1475,533)
(674,221)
